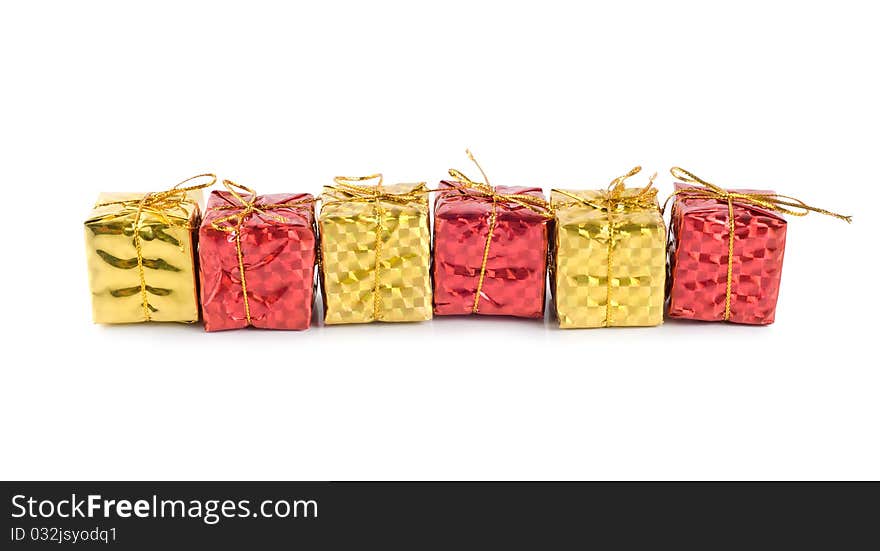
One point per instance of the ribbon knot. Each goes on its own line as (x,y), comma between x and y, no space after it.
(348,185)
(160,202)
(466,186)
(768,201)
(615,196)
(248,205)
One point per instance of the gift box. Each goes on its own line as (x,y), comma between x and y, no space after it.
(257,257)
(139,250)
(608,256)
(375,252)
(726,250)
(490,249)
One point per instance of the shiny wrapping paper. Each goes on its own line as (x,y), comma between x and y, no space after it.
(698,260)
(514,278)
(159,284)
(278,255)
(376,254)
(608,265)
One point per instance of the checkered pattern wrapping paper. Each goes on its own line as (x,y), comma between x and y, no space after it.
(516,266)
(279,259)
(584,293)
(698,260)
(375,257)
(167,246)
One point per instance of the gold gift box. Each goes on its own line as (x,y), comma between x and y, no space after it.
(148,277)
(609,258)
(375,252)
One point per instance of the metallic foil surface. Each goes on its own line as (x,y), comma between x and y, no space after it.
(278,249)
(608,266)
(167,248)
(515,274)
(698,260)
(376,257)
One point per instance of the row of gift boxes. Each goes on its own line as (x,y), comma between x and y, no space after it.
(605,251)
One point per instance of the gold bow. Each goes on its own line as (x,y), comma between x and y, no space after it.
(354,192)
(483,189)
(158,203)
(768,201)
(347,186)
(615,199)
(232,223)
(538,205)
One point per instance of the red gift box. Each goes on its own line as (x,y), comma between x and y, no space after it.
(726,249)
(490,249)
(262,244)
(699,259)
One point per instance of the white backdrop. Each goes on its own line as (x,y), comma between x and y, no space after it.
(121,96)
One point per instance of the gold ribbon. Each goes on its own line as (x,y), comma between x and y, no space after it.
(232,223)
(158,203)
(615,199)
(348,186)
(768,201)
(483,189)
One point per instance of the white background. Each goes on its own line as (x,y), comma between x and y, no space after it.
(126,96)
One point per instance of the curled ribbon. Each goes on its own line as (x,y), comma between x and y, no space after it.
(157,203)
(246,207)
(615,199)
(467,186)
(353,191)
(768,201)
